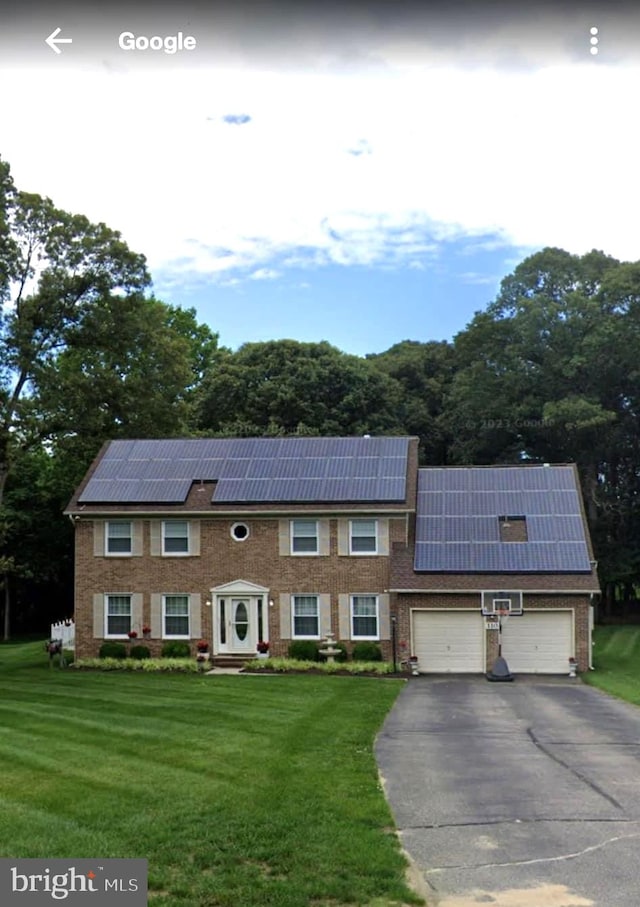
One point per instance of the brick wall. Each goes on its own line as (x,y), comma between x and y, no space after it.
(223,560)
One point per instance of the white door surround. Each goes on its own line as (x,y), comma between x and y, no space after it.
(240,616)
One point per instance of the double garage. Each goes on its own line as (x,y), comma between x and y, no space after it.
(536,642)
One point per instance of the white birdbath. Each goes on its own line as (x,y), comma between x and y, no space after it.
(328,649)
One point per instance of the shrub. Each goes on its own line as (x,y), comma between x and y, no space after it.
(183,665)
(304,650)
(140,652)
(176,650)
(113,650)
(68,655)
(342,655)
(366,651)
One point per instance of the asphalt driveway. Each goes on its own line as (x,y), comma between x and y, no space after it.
(523,794)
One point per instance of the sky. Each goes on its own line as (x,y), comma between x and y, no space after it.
(356,174)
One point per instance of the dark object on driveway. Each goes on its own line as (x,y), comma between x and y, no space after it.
(500,671)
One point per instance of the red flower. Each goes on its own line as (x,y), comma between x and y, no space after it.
(262,646)
(132,634)
(202,645)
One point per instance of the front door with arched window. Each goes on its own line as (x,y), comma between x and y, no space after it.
(240,618)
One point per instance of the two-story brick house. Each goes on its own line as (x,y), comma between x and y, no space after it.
(241,540)
(274,539)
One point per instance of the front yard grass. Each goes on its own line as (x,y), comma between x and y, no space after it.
(616,659)
(241,791)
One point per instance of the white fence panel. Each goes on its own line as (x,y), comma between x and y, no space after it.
(66,631)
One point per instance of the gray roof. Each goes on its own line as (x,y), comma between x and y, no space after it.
(457,525)
(251,470)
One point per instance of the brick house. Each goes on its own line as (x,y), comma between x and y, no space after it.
(274,539)
(241,540)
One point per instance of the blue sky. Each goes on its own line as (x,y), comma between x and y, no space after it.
(361,177)
(358,308)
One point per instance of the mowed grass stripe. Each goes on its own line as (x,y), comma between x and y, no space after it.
(238,790)
(617,662)
(619,641)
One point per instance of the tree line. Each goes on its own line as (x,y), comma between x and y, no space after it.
(548,372)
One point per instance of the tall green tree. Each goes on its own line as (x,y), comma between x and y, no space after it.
(424,372)
(549,372)
(59,268)
(86,353)
(287,387)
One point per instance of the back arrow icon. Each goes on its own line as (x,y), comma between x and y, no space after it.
(53,40)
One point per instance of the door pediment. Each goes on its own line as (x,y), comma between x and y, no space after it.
(239,587)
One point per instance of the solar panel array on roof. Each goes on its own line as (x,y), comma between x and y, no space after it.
(458,511)
(249,470)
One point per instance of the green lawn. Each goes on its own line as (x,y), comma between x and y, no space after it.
(244,791)
(616,659)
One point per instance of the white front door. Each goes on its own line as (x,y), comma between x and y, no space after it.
(236,624)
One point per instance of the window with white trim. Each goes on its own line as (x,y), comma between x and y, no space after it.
(304,537)
(363,537)
(175,537)
(117,615)
(175,617)
(306,616)
(118,537)
(364,617)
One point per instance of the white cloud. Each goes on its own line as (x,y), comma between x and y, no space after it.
(264,274)
(539,156)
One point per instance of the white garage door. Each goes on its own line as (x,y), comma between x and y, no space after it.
(449,641)
(538,642)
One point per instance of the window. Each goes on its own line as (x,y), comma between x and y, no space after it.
(306,618)
(118,615)
(363,537)
(304,537)
(364,617)
(118,537)
(175,615)
(239,532)
(175,537)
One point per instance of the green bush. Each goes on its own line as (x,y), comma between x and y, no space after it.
(304,650)
(140,652)
(284,665)
(176,650)
(342,656)
(183,665)
(113,650)
(366,651)
(68,655)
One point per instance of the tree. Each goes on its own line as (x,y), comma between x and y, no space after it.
(550,372)
(287,387)
(424,372)
(85,353)
(58,269)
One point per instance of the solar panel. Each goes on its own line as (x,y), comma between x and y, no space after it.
(253,469)
(133,491)
(457,525)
